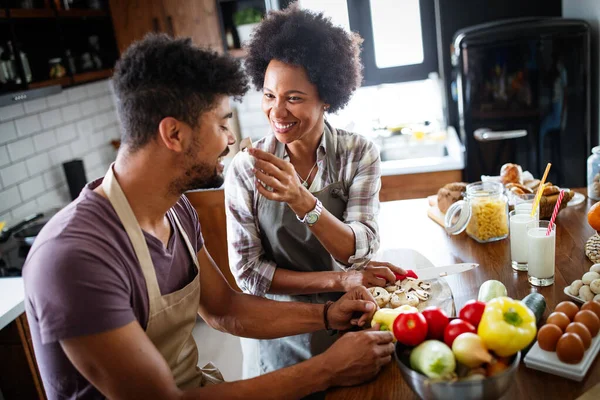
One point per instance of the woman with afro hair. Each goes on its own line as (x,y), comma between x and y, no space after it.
(302,204)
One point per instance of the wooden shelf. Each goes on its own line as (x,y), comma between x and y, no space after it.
(31,13)
(92,75)
(82,13)
(238,53)
(64,81)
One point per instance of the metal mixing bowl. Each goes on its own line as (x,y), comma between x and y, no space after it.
(490,388)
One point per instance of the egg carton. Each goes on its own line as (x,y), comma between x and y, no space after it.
(547,361)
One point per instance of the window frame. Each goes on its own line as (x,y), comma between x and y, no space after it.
(359,14)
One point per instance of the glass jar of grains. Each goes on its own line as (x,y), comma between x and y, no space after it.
(483,213)
(593,174)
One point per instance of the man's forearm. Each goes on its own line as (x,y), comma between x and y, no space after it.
(294,382)
(260,318)
(294,282)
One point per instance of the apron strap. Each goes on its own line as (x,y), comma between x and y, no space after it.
(119,202)
(186,239)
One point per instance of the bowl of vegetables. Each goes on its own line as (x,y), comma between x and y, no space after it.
(475,384)
(472,356)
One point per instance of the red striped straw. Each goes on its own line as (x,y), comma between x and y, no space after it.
(555,212)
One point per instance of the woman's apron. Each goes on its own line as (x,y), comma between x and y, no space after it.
(291,245)
(171,317)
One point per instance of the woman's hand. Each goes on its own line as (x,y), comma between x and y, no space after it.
(376,273)
(281,176)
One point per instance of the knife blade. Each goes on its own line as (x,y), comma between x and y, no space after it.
(438,272)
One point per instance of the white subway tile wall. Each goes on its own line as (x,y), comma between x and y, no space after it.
(37,136)
(253,121)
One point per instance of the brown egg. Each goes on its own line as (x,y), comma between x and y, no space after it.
(559,319)
(592,306)
(590,320)
(570,348)
(548,336)
(567,307)
(582,331)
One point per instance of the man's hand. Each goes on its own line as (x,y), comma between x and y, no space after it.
(359,356)
(354,308)
(376,273)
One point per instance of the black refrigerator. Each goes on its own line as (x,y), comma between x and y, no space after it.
(523,95)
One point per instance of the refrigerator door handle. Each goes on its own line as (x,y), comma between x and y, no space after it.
(488,135)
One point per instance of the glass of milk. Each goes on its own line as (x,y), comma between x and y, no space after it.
(518,221)
(541,254)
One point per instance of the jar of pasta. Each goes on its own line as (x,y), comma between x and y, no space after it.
(483,213)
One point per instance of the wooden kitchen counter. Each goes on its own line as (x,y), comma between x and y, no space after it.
(404,224)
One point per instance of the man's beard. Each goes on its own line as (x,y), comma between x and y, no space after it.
(198,175)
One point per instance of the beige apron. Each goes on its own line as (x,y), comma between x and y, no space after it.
(171,317)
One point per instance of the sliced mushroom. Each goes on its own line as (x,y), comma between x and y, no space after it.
(382,296)
(412,300)
(410,284)
(391,289)
(398,299)
(424,285)
(422,295)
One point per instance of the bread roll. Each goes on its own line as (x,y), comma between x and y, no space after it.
(450,194)
(517,190)
(550,189)
(522,188)
(511,173)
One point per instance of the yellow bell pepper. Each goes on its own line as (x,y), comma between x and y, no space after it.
(385,317)
(507,326)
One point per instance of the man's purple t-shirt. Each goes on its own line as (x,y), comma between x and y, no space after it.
(82,277)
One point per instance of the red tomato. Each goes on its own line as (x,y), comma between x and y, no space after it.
(410,328)
(472,312)
(455,328)
(436,322)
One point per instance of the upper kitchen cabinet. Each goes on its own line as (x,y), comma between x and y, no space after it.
(46,44)
(197,19)
(132,19)
(238,19)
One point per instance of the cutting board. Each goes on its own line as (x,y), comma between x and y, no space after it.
(434,212)
(441,293)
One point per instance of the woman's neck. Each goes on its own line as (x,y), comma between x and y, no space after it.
(303,152)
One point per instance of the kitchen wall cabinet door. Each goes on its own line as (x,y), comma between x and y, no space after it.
(133,19)
(198,19)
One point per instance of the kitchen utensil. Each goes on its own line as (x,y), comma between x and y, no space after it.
(492,387)
(446,270)
(548,361)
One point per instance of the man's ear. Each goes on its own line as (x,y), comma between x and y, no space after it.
(170,133)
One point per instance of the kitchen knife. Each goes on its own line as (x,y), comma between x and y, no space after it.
(438,272)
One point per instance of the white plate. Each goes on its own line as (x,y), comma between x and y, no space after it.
(577,199)
(576,298)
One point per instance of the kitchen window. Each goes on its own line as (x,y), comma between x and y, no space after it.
(399,35)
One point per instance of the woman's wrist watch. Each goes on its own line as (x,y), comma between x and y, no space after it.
(313,215)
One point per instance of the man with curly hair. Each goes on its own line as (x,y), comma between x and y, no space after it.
(115,281)
(302,206)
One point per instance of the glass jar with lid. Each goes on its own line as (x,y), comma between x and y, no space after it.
(483,213)
(593,174)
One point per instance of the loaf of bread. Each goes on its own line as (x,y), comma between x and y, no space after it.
(450,194)
(517,188)
(511,173)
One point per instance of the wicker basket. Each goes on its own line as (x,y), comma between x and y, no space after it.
(547,204)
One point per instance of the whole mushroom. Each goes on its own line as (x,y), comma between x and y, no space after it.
(595,268)
(588,277)
(575,286)
(585,293)
(595,286)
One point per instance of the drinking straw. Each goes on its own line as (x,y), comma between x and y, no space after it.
(538,195)
(555,212)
